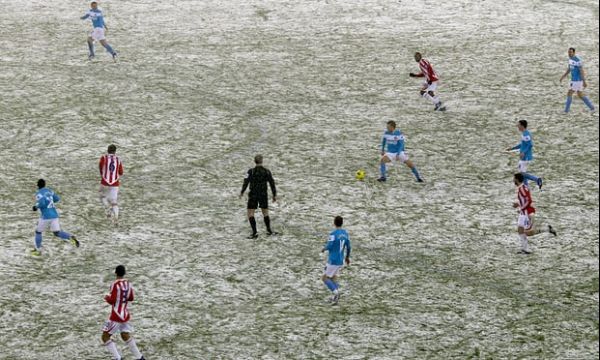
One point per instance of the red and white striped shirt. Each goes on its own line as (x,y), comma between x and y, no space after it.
(111,168)
(525,200)
(427,71)
(121,293)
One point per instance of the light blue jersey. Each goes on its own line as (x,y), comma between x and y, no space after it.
(525,146)
(45,200)
(96,16)
(394,141)
(338,241)
(575,65)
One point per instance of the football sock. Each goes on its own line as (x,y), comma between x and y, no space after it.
(529,176)
(133,348)
(112,348)
(252,224)
(436,100)
(109,49)
(588,102)
(415,172)
(430,98)
(115,211)
(568,103)
(63,235)
(268,223)
(330,284)
(382,169)
(104,201)
(91,47)
(524,243)
(38,240)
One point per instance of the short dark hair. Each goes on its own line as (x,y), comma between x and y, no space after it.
(523,123)
(112,149)
(338,221)
(392,122)
(120,270)
(519,177)
(572,48)
(41,183)
(258,159)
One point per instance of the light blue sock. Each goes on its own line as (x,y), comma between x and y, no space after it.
(63,235)
(382,169)
(91,46)
(38,240)
(109,49)
(568,104)
(330,284)
(415,172)
(588,102)
(529,176)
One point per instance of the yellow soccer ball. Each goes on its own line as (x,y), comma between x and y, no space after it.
(360,174)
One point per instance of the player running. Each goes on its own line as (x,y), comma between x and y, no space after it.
(337,243)
(45,202)
(431,82)
(257,178)
(121,293)
(97,34)
(578,82)
(525,148)
(526,210)
(111,169)
(394,139)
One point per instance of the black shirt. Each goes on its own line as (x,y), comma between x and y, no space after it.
(257,178)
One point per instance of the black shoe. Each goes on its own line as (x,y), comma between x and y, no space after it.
(551,230)
(420,180)
(271,233)
(253,236)
(381,179)
(142,358)
(524,252)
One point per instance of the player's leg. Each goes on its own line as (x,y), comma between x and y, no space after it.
(108,48)
(527,176)
(90,42)
(264,208)
(108,329)
(41,226)
(328,275)
(586,100)
(532,231)
(130,341)
(103,195)
(522,226)
(113,195)
(383,163)
(55,227)
(252,206)
(411,166)
(569,99)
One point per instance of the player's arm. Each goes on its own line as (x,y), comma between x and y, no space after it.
(55,198)
(272,185)
(329,244)
(525,147)
(87,15)
(582,72)
(40,203)
(348,250)
(516,147)
(527,202)
(383,141)
(130,296)
(112,296)
(247,180)
(420,74)
(120,169)
(565,74)
(101,165)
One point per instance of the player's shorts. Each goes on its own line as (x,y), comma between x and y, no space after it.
(256,202)
(401,157)
(113,327)
(44,223)
(98,34)
(111,193)
(525,221)
(576,85)
(430,87)
(332,270)
(523,164)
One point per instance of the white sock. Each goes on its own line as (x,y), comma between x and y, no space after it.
(524,243)
(430,98)
(112,348)
(133,348)
(104,201)
(436,99)
(115,211)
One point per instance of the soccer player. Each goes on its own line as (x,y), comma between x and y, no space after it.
(525,148)
(431,82)
(526,210)
(97,34)
(121,293)
(578,82)
(45,202)
(337,243)
(394,140)
(111,169)
(257,178)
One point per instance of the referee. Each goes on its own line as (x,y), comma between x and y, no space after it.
(257,178)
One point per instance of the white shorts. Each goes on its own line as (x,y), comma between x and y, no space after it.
(576,85)
(523,164)
(44,223)
(113,327)
(430,87)
(98,34)
(525,221)
(401,157)
(332,270)
(111,193)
